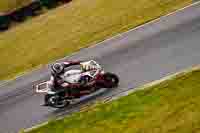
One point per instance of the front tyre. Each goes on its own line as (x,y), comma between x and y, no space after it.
(111,80)
(55,101)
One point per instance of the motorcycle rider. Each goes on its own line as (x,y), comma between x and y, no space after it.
(57,71)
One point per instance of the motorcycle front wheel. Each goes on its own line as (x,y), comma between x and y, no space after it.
(111,80)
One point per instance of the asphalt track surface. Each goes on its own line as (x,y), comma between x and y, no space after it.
(148,53)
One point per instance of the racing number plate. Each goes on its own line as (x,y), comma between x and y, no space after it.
(42,87)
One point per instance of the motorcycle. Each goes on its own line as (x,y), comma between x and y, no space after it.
(64,97)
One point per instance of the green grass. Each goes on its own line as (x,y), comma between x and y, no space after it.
(169,107)
(69,28)
(9,5)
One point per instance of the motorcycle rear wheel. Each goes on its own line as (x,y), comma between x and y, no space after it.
(53,101)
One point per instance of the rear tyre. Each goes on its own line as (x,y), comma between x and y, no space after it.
(111,80)
(54,101)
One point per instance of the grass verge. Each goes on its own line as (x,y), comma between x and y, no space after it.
(72,27)
(171,106)
(8,5)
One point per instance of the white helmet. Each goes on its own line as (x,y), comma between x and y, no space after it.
(57,68)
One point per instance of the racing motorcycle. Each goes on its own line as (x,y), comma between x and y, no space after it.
(61,98)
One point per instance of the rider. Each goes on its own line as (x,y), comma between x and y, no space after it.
(58,69)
